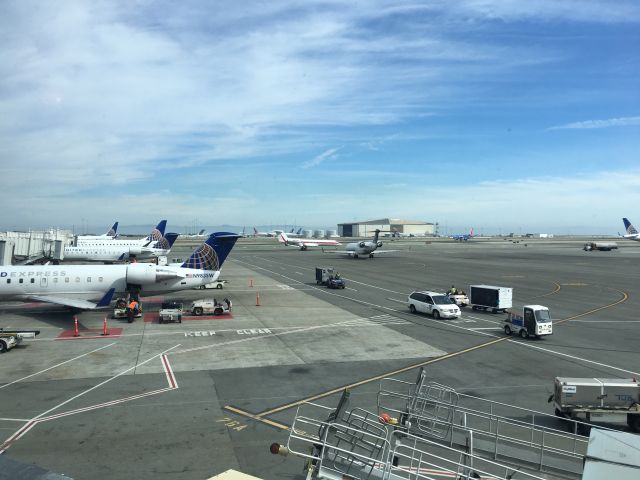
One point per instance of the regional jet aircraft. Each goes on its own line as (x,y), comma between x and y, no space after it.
(119,253)
(355,249)
(155,235)
(111,234)
(632,233)
(304,243)
(87,287)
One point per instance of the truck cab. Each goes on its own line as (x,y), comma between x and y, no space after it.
(533,321)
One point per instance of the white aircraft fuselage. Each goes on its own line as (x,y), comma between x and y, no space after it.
(52,283)
(96,253)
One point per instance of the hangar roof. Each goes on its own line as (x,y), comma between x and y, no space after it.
(388,221)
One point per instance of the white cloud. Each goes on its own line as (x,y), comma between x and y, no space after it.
(610,122)
(330,154)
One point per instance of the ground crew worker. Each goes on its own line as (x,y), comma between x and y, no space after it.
(132,310)
(453,290)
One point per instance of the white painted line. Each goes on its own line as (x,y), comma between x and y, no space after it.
(14,419)
(483,328)
(604,321)
(396,300)
(16,436)
(299,273)
(352,289)
(57,365)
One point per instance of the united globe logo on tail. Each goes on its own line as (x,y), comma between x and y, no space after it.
(204,258)
(212,253)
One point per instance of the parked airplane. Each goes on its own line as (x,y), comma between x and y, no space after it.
(294,233)
(111,233)
(365,247)
(632,233)
(463,237)
(155,235)
(87,287)
(120,253)
(272,233)
(304,243)
(200,234)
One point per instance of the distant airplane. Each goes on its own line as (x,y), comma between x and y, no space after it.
(463,237)
(272,233)
(120,253)
(303,243)
(295,234)
(200,234)
(111,233)
(364,247)
(87,287)
(155,235)
(632,233)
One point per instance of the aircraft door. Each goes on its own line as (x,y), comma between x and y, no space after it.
(529,321)
(44,281)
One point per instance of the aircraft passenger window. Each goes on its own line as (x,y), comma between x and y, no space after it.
(21,280)
(77,279)
(33,280)
(8,280)
(100,279)
(88,279)
(66,279)
(55,280)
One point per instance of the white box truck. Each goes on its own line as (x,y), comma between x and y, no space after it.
(488,297)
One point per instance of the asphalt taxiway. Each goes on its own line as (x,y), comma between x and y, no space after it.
(194,399)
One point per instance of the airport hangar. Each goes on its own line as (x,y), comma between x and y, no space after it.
(368,228)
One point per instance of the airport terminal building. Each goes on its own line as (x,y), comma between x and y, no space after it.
(386,225)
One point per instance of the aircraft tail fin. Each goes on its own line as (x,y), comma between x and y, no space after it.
(375,237)
(113,231)
(471,232)
(282,238)
(255,231)
(201,232)
(157,233)
(213,252)
(170,239)
(631,230)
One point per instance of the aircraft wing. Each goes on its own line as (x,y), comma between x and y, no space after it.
(375,252)
(74,302)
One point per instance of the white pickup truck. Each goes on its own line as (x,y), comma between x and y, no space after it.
(219,284)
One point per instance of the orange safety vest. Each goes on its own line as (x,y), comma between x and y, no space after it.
(133,305)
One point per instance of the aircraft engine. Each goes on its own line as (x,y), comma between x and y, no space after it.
(379,244)
(141,273)
(362,244)
(133,251)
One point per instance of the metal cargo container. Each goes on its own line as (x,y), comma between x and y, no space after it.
(573,393)
(487,296)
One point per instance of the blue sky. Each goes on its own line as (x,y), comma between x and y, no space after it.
(497,114)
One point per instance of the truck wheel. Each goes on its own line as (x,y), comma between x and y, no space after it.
(197,311)
(412,308)
(436,314)
(217,311)
(202,287)
(507,330)
(493,310)
(524,334)
(3,346)
(219,286)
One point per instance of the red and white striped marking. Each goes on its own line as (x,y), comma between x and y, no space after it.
(16,436)
(173,384)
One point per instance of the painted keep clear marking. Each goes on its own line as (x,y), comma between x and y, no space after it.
(254,331)
(206,333)
(231,423)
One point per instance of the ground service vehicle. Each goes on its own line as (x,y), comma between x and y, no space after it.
(533,321)
(120,309)
(12,338)
(487,297)
(602,246)
(459,298)
(433,303)
(201,307)
(601,400)
(327,276)
(170,311)
(219,284)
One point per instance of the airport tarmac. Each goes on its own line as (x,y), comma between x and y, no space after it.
(194,399)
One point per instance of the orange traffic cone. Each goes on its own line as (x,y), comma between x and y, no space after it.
(104,327)
(76,333)
(257,299)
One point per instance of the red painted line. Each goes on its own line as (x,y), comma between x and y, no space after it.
(169,372)
(16,436)
(97,333)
